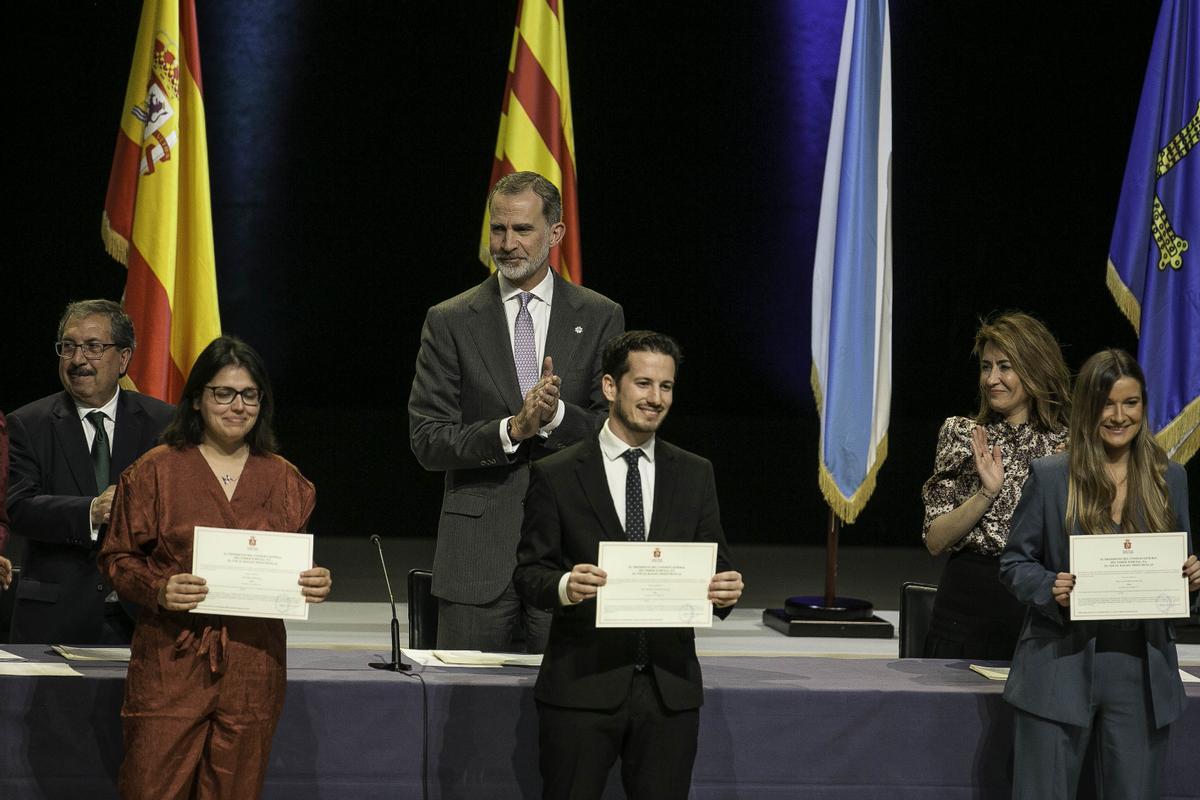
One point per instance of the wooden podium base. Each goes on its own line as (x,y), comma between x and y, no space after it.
(872,628)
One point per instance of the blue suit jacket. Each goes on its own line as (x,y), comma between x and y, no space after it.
(1052,668)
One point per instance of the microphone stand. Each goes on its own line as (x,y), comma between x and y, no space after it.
(395,665)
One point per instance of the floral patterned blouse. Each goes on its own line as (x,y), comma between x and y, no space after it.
(954,478)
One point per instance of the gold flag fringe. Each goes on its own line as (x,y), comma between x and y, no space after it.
(1124,298)
(1181,436)
(847,508)
(116,244)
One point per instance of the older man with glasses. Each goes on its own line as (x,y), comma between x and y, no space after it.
(66,453)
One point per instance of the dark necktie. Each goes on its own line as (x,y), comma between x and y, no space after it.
(525,347)
(101,454)
(635,531)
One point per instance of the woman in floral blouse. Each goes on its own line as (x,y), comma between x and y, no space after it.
(979,469)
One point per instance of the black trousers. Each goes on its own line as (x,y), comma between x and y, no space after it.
(656,746)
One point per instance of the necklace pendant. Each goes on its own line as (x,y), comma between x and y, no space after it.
(227,479)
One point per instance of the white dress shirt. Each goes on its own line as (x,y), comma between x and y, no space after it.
(89,433)
(616,470)
(539,312)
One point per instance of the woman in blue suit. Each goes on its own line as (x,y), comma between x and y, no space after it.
(1117,680)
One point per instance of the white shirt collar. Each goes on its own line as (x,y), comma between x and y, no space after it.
(613,448)
(544,291)
(109,408)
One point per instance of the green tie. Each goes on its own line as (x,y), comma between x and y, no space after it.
(101,455)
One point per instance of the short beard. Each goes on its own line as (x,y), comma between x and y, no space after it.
(637,426)
(518,275)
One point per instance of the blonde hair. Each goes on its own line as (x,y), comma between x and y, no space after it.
(1090,491)
(1038,362)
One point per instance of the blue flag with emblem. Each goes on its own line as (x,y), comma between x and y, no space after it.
(1154,258)
(852,272)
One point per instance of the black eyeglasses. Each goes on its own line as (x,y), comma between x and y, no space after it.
(92,351)
(225,395)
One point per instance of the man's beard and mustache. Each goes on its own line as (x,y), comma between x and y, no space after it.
(634,423)
(81,371)
(517,269)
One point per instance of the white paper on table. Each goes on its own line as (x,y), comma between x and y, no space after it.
(991,673)
(54,669)
(482,658)
(252,573)
(469,659)
(91,653)
(6,656)
(1188,677)
(656,584)
(1129,576)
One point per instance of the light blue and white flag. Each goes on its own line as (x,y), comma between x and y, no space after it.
(852,274)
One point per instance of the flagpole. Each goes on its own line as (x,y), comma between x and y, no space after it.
(831,558)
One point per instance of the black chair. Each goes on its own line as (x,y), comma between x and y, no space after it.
(916,612)
(8,607)
(422,610)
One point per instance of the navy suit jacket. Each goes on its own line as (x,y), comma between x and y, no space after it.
(60,598)
(1051,672)
(568,511)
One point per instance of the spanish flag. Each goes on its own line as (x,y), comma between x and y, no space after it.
(157,217)
(536,132)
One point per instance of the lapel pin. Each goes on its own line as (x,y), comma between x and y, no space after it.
(579,329)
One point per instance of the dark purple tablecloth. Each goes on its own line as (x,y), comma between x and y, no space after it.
(770,728)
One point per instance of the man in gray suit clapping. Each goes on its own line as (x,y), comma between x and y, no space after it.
(508,371)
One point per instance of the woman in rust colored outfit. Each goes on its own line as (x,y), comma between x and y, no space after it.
(203,692)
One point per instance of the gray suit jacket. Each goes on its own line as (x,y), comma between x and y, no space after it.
(465,383)
(1052,668)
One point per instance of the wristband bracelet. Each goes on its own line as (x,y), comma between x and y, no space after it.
(991,498)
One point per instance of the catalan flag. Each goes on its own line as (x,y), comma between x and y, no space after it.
(157,217)
(1154,258)
(852,271)
(536,132)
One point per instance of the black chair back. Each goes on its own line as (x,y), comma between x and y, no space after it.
(422,610)
(916,612)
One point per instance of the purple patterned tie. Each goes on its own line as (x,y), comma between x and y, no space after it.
(525,347)
(635,530)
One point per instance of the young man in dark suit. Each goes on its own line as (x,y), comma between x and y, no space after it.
(508,372)
(66,453)
(609,693)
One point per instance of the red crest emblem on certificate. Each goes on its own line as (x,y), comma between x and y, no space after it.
(253,542)
(1128,545)
(658,552)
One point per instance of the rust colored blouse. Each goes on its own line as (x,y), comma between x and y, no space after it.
(166,493)
(954,478)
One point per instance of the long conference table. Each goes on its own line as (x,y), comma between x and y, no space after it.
(771,727)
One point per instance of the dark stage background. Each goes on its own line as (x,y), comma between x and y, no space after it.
(351,144)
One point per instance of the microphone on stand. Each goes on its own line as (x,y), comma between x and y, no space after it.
(395,665)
